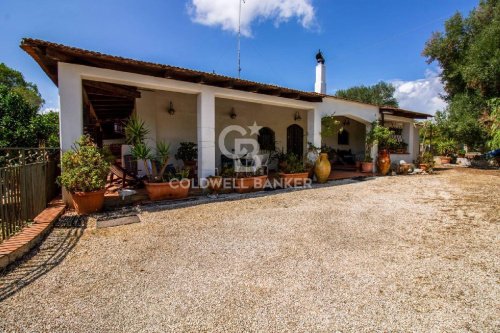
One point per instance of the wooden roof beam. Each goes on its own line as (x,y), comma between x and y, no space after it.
(112,89)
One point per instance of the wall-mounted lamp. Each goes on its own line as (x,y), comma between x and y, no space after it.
(297,116)
(346,122)
(171,110)
(232,114)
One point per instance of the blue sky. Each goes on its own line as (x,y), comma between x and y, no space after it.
(364,41)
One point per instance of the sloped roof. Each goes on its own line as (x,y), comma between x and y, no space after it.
(393,111)
(48,54)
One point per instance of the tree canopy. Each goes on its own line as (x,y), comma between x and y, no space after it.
(381,94)
(468,51)
(22,124)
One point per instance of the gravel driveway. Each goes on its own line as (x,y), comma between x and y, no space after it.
(414,253)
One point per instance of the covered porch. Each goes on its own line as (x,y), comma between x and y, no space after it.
(98,91)
(219,124)
(346,144)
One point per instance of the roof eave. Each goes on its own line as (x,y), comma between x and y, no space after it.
(48,54)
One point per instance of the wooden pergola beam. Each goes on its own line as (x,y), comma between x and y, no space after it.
(110,89)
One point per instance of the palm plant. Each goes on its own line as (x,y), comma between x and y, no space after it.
(135,132)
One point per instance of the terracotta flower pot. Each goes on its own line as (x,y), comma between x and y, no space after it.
(358,165)
(423,166)
(175,189)
(322,168)
(191,166)
(215,183)
(294,179)
(445,159)
(249,184)
(88,202)
(260,183)
(366,166)
(384,162)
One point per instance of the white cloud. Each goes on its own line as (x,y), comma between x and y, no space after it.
(224,13)
(422,95)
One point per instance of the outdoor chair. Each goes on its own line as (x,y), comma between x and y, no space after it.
(125,177)
(240,167)
(261,161)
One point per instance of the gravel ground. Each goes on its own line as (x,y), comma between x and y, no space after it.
(414,253)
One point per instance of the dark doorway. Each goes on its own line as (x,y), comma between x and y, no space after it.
(266,139)
(295,140)
(343,137)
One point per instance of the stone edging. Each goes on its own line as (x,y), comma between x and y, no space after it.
(21,243)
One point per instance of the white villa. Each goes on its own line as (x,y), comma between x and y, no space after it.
(99,92)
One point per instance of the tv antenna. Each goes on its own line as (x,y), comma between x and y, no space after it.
(239,39)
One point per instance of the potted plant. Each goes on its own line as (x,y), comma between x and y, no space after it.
(295,173)
(174,185)
(84,172)
(445,148)
(215,184)
(426,161)
(384,138)
(188,153)
(280,156)
(159,185)
(311,158)
(228,176)
(249,182)
(367,164)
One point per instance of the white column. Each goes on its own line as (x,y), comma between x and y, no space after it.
(412,142)
(71,113)
(314,127)
(71,103)
(374,150)
(206,133)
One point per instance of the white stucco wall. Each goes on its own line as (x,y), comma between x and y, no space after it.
(192,117)
(410,136)
(363,113)
(152,108)
(276,118)
(182,126)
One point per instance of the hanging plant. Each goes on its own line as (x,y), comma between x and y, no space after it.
(329,126)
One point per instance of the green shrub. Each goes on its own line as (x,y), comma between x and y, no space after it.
(85,168)
(135,133)
(378,135)
(187,152)
(294,164)
(446,147)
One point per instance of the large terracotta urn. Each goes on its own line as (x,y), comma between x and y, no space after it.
(384,162)
(322,168)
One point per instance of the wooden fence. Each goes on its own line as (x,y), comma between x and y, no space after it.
(25,190)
